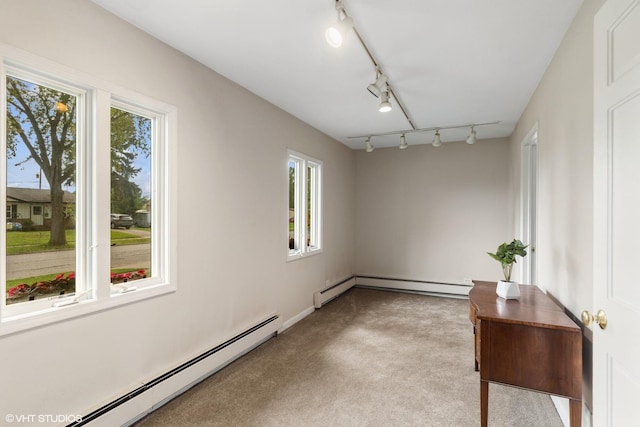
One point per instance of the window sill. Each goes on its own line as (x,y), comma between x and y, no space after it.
(298,255)
(23,322)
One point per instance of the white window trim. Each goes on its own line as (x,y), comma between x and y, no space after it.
(93,263)
(300,227)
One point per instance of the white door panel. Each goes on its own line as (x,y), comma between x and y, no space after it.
(616,372)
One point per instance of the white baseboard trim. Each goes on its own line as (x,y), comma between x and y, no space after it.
(423,287)
(322,297)
(295,319)
(133,406)
(562,406)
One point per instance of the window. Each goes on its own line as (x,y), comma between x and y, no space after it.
(74,154)
(41,140)
(132,134)
(12,212)
(304,226)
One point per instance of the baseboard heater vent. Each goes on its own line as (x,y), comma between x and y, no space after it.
(139,402)
(322,297)
(452,290)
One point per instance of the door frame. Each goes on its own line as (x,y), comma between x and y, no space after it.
(529,204)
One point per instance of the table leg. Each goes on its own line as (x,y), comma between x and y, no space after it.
(475,349)
(484,402)
(575,412)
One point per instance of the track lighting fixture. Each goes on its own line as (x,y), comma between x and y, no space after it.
(376,88)
(472,136)
(337,32)
(437,142)
(385,105)
(369,146)
(403,142)
(382,89)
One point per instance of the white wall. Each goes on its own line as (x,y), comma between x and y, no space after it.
(431,214)
(232,170)
(562,105)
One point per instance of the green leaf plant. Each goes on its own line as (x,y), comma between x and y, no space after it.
(506,256)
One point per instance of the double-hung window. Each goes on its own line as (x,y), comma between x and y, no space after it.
(85,180)
(305,196)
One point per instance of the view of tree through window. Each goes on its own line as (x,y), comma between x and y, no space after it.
(86,183)
(41,203)
(293,245)
(130,197)
(40,191)
(304,205)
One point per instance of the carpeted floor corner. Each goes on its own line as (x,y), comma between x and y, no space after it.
(368,358)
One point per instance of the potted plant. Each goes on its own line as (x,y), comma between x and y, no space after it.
(506,256)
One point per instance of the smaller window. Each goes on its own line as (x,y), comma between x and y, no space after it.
(304,225)
(37,210)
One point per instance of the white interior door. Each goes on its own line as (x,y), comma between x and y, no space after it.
(616,349)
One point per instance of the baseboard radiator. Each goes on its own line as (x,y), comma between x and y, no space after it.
(322,297)
(139,402)
(453,290)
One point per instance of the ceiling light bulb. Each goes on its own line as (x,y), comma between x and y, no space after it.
(337,32)
(403,142)
(472,136)
(385,105)
(369,146)
(437,142)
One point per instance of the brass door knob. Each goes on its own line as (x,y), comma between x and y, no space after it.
(600,318)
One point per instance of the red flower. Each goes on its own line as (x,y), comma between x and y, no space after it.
(71,275)
(59,276)
(20,289)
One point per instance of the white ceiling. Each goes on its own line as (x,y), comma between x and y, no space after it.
(451,62)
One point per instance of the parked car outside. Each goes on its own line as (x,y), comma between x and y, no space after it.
(123,221)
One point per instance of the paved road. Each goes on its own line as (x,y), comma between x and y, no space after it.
(29,265)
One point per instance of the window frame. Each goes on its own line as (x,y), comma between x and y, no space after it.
(306,167)
(95,98)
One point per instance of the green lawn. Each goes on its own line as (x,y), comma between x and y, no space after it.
(27,242)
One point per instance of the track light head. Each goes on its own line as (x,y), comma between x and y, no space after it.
(472,136)
(336,33)
(376,88)
(369,147)
(437,142)
(385,105)
(403,142)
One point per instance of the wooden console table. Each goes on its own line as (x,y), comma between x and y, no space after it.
(528,343)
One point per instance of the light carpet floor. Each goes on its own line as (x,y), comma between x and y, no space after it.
(368,358)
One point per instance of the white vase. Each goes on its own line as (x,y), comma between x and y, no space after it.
(508,290)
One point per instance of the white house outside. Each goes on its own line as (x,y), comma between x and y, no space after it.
(31,206)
